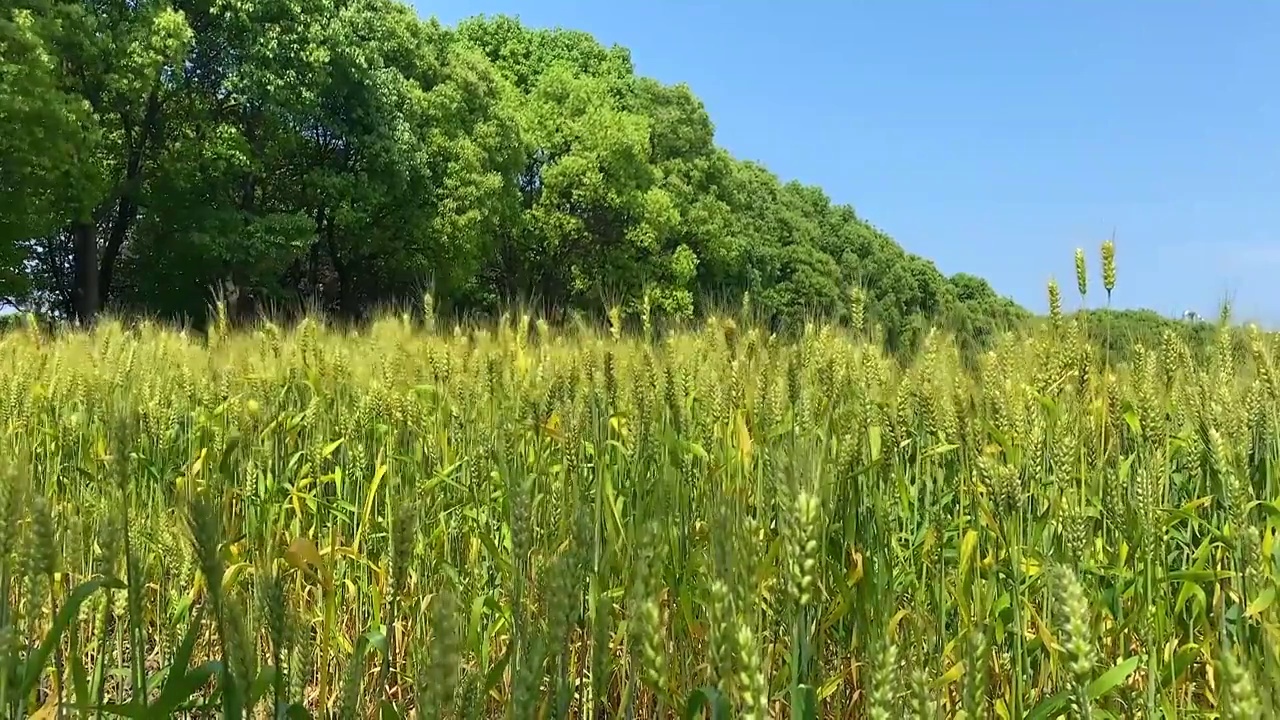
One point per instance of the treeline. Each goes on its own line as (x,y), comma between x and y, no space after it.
(1117,333)
(346,153)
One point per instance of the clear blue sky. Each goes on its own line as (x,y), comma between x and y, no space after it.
(996,136)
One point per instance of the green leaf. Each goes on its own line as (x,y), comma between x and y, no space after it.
(1111,679)
(130,710)
(1271,508)
(1131,418)
(494,676)
(804,703)
(179,686)
(176,692)
(1103,684)
(36,663)
(1263,601)
(939,450)
(968,544)
(1047,707)
(187,686)
(79,674)
(328,449)
(1198,576)
(1182,659)
(711,699)
(171,694)
(262,683)
(372,640)
(829,687)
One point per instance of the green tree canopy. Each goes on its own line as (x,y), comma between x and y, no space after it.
(348,153)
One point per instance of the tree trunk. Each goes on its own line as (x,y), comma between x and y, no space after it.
(84,290)
(313,257)
(346,299)
(126,205)
(126,213)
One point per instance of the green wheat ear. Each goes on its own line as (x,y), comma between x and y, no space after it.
(1074,618)
(1055,304)
(1239,697)
(1108,266)
(1082,277)
(857,310)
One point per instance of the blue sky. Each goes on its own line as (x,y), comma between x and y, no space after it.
(996,136)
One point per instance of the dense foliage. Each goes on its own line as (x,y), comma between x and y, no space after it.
(515,521)
(347,154)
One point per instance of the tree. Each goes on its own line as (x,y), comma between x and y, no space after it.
(44,139)
(347,153)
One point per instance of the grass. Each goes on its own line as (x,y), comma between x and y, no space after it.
(512,521)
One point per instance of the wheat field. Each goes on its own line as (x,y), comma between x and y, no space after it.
(513,521)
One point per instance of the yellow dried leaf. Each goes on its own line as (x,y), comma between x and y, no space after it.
(952,674)
(301,553)
(895,621)
(552,426)
(198,465)
(855,568)
(967,547)
(745,445)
